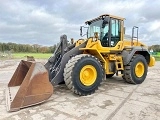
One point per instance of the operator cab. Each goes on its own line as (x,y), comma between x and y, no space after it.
(108,28)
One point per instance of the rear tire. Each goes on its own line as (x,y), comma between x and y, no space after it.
(83,74)
(136,71)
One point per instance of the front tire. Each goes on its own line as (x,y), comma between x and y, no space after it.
(136,71)
(83,74)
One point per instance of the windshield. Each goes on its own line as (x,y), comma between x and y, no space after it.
(97,27)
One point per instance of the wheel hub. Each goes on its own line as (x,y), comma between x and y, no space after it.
(139,69)
(88,75)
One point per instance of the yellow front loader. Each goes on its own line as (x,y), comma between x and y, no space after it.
(82,65)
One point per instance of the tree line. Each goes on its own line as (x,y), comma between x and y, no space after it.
(35,48)
(155,48)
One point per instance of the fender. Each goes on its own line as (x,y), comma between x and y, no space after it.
(128,53)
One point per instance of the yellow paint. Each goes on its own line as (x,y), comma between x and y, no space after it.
(152,61)
(139,69)
(103,58)
(110,54)
(88,75)
(79,42)
(119,63)
(107,71)
(95,53)
(127,43)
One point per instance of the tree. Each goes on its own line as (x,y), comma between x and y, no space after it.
(26,48)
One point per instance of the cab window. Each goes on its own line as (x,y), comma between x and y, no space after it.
(115,32)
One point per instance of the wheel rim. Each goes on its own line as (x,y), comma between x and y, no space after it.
(139,69)
(88,75)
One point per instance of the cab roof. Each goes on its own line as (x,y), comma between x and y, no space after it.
(103,16)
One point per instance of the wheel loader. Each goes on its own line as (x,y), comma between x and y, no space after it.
(83,64)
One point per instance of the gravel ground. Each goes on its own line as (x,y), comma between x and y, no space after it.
(115,100)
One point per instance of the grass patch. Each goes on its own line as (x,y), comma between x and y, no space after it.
(48,55)
(157,58)
(35,55)
(158,53)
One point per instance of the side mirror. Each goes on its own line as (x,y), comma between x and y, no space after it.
(81,31)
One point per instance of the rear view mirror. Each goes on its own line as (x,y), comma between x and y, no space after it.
(81,31)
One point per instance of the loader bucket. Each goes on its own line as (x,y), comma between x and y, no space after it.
(28,86)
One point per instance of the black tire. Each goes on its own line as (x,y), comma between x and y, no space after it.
(109,75)
(72,74)
(129,70)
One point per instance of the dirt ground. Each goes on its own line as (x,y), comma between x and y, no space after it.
(115,100)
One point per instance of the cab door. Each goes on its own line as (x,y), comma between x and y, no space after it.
(110,33)
(115,32)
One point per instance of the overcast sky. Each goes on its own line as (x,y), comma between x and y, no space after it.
(43,21)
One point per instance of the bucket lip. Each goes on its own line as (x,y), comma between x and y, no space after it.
(9,101)
(30,61)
